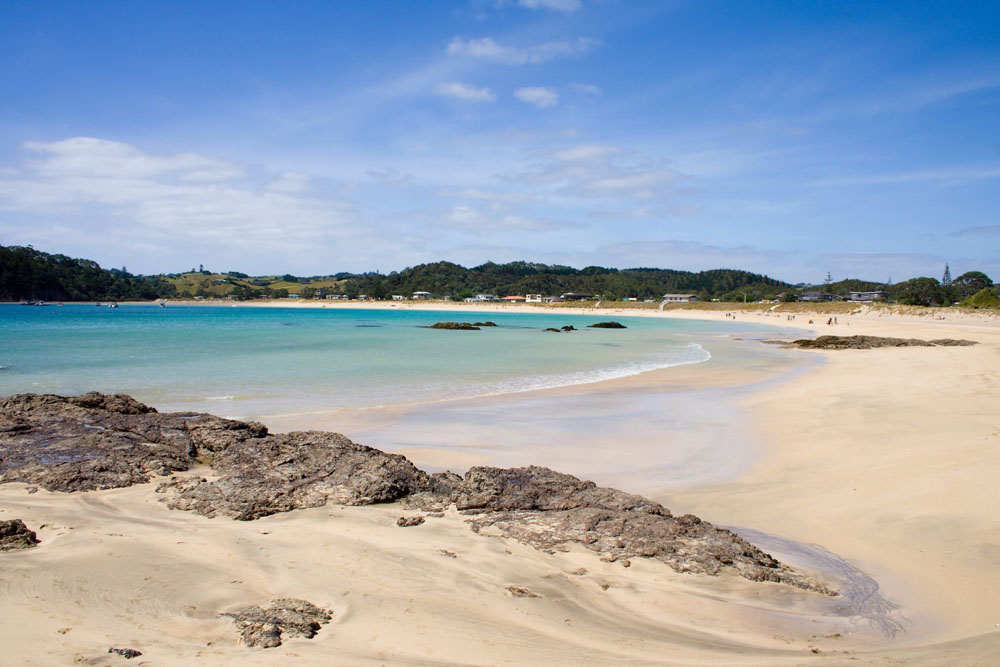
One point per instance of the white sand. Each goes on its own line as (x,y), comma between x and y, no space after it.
(886,458)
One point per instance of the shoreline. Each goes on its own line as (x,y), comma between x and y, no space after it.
(883,457)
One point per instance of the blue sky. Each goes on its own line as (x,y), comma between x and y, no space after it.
(788,138)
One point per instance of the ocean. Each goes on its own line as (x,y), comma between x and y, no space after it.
(322,367)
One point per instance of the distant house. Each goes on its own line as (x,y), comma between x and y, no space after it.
(868,296)
(482,298)
(553,299)
(514,299)
(816,296)
(293,296)
(576,296)
(336,296)
(680,298)
(398,297)
(533,298)
(421,295)
(630,298)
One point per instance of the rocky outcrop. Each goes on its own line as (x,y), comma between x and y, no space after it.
(97,441)
(484,324)
(607,325)
(871,342)
(14,535)
(279,473)
(263,627)
(454,326)
(550,511)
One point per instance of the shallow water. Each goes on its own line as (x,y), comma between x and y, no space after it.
(251,362)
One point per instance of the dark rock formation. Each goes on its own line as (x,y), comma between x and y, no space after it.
(409,521)
(568,327)
(96,441)
(553,329)
(607,325)
(127,653)
(15,535)
(278,473)
(484,324)
(550,510)
(454,326)
(263,626)
(871,342)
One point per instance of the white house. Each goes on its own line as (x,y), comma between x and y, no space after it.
(421,295)
(679,298)
(533,298)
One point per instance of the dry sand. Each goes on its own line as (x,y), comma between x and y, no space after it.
(886,459)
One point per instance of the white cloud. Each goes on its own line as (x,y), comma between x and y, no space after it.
(587,88)
(586,152)
(557,5)
(100,189)
(472,221)
(543,98)
(391,177)
(464,91)
(489,49)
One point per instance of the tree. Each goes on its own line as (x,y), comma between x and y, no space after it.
(971,282)
(920,292)
(946,278)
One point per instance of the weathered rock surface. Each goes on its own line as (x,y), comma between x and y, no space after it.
(454,326)
(97,441)
(263,626)
(279,473)
(550,511)
(871,342)
(127,653)
(484,324)
(15,535)
(607,325)
(409,521)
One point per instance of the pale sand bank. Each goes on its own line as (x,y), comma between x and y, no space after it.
(886,458)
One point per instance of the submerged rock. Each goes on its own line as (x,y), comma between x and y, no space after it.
(262,627)
(14,535)
(454,326)
(607,325)
(484,324)
(871,342)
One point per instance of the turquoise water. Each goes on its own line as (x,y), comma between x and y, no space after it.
(252,361)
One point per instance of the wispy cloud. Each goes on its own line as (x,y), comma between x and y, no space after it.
(982,230)
(543,98)
(472,221)
(489,49)
(952,175)
(464,91)
(557,5)
(91,183)
(588,88)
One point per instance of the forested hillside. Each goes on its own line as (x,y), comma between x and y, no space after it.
(29,274)
(447,279)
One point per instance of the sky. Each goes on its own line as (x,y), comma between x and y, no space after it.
(787,138)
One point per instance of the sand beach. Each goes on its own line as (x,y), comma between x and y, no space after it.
(874,469)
